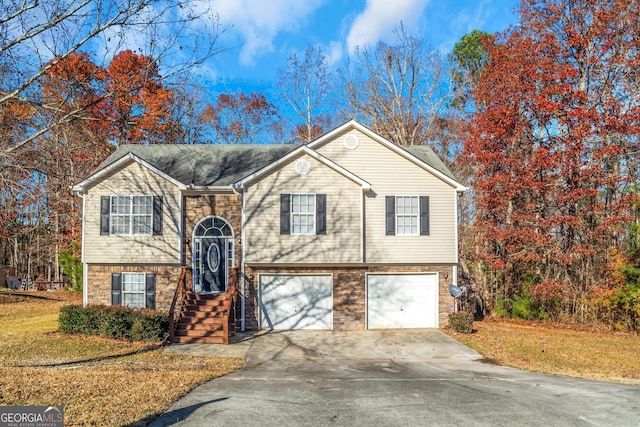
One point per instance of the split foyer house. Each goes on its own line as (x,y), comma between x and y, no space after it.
(347,232)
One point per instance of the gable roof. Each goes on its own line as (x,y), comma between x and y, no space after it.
(303,149)
(194,165)
(207,166)
(422,155)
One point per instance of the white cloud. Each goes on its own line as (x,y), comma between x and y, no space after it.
(379,18)
(257,22)
(334,53)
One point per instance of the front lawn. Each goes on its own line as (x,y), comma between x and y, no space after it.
(556,349)
(99,381)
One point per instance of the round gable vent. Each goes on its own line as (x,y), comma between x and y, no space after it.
(303,167)
(351,142)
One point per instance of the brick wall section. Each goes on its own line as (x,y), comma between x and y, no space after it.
(349,295)
(197,208)
(99,278)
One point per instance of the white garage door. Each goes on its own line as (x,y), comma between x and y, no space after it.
(295,302)
(402,301)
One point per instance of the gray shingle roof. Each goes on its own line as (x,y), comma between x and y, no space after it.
(204,164)
(222,165)
(427,155)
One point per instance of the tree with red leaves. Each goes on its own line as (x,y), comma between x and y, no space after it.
(140,102)
(555,149)
(242,119)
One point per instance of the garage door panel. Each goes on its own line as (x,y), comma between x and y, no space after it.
(402,301)
(296,302)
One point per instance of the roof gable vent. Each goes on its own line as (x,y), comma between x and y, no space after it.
(303,167)
(351,142)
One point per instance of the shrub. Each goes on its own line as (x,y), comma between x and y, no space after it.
(503,307)
(461,321)
(150,326)
(72,266)
(522,307)
(114,322)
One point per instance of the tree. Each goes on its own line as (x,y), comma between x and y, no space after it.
(125,102)
(399,90)
(36,35)
(555,149)
(242,118)
(139,100)
(305,83)
(470,58)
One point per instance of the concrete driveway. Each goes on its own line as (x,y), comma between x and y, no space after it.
(393,378)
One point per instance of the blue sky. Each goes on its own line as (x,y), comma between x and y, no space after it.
(263,33)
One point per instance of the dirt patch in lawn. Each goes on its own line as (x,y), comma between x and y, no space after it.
(556,349)
(99,381)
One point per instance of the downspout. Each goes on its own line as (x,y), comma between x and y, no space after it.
(85,273)
(363,231)
(242,254)
(454,271)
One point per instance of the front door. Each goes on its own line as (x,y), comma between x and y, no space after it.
(213,265)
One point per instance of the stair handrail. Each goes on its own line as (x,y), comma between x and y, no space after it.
(182,289)
(232,292)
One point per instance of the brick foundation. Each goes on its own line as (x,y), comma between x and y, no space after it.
(99,279)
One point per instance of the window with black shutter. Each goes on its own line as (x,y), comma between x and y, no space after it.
(407,215)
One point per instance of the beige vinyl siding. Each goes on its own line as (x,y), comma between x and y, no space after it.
(133,179)
(392,175)
(341,244)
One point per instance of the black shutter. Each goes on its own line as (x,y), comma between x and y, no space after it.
(391,215)
(321,214)
(424,215)
(150,291)
(116,289)
(105,206)
(157,215)
(285,214)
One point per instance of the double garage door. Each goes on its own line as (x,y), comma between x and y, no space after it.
(306,301)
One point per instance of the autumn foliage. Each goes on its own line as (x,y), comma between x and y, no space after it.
(241,118)
(554,147)
(86,110)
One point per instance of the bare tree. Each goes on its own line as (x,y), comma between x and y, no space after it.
(305,83)
(399,89)
(35,35)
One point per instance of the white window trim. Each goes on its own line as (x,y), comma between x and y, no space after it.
(398,215)
(130,215)
(312,214)
(124,292)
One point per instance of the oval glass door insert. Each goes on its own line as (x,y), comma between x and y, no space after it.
(213,258)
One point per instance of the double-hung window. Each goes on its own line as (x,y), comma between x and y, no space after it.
(407,215)
(303,214)
(131,215)
(133,289)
